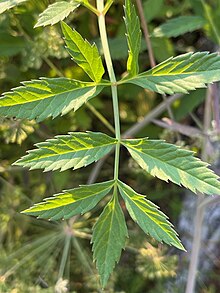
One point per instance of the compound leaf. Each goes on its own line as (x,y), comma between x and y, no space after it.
(148,216)
(178,26)
(56,12)
(7,4)
(180,74)
(71,202)
(40,99)
(109,236)
(83,53)
(133,37)
(75,150)
(169,162)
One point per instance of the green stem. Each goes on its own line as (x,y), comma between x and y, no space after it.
(107,6)
(108,60)
(211,22)
(90,7)
(64,255)
(100,117)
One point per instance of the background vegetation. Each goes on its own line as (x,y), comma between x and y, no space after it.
(42,256)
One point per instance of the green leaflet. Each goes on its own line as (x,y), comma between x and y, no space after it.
(7,4)
(56,12)
(71,202)
(179,26)
(168,162)
(83,53)
(133,37)
(75,150)
(148,216)
(109,236)
(180,74)
(47,97)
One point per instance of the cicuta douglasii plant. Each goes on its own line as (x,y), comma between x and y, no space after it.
(51,97)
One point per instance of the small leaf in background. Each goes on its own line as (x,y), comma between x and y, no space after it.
(182,107)
(180,74)
(56,12)
(83,53)
(169,162)
(133,37)
(10,45)
(71,202)
(148,216)
(47,97)
(64,152)
(7,4)
(109,236)
(178,26)
(153,9)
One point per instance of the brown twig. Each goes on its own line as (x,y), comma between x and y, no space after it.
(145,29)
(146,33)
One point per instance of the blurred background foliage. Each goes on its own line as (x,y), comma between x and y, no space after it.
(40,256)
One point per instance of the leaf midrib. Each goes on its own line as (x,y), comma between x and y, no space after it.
(63,206)
(41,98)
(83,54)
(165,162)
(66,152)
(152,219)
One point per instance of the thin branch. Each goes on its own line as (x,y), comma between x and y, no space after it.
(183,129)
(146,33)
(200,209)
(145,29)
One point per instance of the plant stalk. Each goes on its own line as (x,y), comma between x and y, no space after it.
(111,73)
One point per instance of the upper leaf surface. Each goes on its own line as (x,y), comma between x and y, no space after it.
(83,53)
(180,74)
(179,26)
(71,202)
(168,162)
(39,99)
(7,4)
(148,216)
(56,12)
(133,37)
(75,150)
(109,236)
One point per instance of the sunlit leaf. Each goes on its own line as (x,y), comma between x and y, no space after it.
(83,53)
(169,162)
(7,4)
(47,97)
(75,150)
(71,202)
(180,74)
(56,12)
